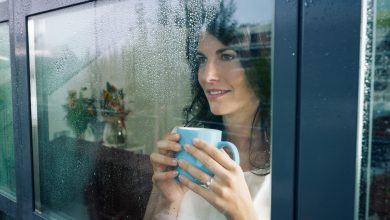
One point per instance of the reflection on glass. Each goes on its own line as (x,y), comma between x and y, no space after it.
(374,194)
(7,161)
(113,80)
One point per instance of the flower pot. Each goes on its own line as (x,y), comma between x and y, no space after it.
(114,133)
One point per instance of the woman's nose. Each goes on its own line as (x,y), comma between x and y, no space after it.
(211,73)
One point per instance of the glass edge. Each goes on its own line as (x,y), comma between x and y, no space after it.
(272,90)
(34,110)
(8,194)
(360,121)
(367,52)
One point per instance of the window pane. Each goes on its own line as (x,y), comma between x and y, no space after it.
(7,161)
(374,191)
(4,216)
(110,79)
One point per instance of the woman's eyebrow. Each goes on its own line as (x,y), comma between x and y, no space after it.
(219,51)
(200,53)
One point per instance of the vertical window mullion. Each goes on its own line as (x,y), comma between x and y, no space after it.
(329,80)
(21,101)
(284,102)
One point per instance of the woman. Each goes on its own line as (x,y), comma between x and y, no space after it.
(231,93)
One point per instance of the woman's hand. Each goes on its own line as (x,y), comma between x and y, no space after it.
(163,162)
(227,190)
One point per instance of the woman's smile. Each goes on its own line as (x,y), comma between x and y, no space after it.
(214,94)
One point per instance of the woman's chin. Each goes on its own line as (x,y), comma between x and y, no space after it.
(217,111)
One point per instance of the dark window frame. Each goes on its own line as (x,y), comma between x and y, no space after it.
(328,109)
(303,89)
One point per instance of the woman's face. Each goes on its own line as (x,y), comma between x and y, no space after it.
(222,78)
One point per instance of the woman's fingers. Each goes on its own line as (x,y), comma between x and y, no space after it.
(162,159)
(205,193)
(222,158)
(207,161)
(163,176)
(173,137)
(193,171)
(214,182)
(164,153)
(166,145)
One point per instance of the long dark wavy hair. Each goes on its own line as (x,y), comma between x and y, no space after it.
(253,52)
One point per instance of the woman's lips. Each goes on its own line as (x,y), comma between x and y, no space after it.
(216,93)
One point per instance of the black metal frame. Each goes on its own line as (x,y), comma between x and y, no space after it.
(284,108)
(314,109)
(21,9)
(328,109)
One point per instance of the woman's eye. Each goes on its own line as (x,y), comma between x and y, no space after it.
(227,57)
(201,59)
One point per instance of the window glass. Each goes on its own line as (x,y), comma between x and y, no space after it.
(4,216)
(111,79)
(7,161)
(374,190)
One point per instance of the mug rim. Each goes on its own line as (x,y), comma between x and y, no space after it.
(197,129)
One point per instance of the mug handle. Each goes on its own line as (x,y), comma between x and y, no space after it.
(232,148)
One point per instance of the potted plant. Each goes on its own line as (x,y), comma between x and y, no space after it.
(113,111)
(80,111)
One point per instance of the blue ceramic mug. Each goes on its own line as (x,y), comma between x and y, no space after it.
(212,137)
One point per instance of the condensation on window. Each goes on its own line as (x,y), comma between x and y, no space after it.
(112,73)
(7,161)
(109,79)
(373,192)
